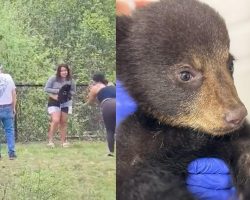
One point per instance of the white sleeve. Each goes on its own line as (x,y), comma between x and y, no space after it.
(12,84)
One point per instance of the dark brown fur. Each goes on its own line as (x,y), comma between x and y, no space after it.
(176,121)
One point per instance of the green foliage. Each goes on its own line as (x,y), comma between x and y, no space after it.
(20,53)
(37,35)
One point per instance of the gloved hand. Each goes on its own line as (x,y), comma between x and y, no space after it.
(124,103)
(210,179)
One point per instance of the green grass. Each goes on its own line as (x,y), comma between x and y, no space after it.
(82,171)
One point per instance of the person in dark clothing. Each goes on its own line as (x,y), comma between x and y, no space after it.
(106,96)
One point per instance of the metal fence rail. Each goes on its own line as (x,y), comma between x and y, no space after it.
(32,119)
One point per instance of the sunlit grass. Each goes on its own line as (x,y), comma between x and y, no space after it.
(82,171)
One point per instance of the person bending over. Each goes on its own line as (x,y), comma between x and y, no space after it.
(106,97)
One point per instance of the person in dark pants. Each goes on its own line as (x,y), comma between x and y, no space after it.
(8,110)
(106,96)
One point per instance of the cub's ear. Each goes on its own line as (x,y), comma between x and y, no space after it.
(123,24)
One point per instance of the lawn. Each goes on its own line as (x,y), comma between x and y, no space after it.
(82,171)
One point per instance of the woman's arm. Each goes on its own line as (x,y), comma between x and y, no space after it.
(13,94)
(53,96)
(14,100)
(91,97)
(49,86)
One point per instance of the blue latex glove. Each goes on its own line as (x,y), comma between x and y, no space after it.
(125,105)
(210,179)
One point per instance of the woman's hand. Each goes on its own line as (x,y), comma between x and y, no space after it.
(54,96)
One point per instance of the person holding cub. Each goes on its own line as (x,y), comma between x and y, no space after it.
(60,89)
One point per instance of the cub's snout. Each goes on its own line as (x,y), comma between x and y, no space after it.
(235,117)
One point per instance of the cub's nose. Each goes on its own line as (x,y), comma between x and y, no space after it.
(236,116)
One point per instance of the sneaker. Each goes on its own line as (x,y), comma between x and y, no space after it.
(111,154)
(12,156)
(65,144)
(51,144)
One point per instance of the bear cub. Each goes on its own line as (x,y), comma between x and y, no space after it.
(173,58)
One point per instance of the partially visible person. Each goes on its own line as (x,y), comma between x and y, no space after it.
(125,105)
(60,89)
(106,97)
(126,7)
(8,110)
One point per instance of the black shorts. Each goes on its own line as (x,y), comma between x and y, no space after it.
(54,106)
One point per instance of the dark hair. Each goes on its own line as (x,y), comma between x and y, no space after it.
(100,77)
(58,75)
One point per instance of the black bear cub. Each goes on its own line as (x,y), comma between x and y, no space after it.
(173,58)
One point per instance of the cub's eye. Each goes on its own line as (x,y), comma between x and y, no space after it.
(185,76)
(231,66)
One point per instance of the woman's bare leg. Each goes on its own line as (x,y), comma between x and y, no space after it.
(55,119)
(63,126)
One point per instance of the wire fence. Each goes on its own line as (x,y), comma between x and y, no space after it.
(32,119)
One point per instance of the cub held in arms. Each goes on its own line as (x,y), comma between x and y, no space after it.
(173,58)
